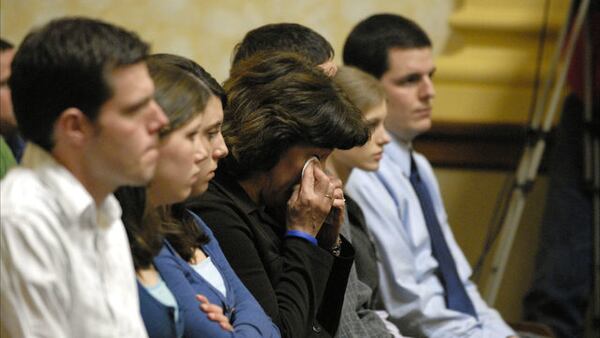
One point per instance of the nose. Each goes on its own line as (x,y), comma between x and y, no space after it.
(220,150)
(158,119)
(201,153)
(427,90)
(382,136)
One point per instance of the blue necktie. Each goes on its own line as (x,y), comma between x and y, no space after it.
(456,295)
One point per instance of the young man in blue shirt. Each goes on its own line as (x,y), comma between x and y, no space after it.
(424,276)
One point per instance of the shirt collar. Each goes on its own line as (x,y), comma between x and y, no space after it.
(109,211)
(74,199)
(399,152)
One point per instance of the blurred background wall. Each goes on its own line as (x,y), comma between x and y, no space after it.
(486,57)
(207,30)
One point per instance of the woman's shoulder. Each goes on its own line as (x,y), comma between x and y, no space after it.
(200,223)
(222,196)
(168,259)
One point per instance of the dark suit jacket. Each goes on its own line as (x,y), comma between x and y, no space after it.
(299,285)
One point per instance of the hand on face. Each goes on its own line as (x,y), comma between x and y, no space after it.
(312,200)
(330,230)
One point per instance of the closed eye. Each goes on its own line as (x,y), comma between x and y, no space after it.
(372,125)
(408,80)
(192,135)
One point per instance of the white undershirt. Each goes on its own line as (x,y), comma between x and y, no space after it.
(209,271)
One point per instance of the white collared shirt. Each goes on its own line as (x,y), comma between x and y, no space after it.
(65,265)
(409,287)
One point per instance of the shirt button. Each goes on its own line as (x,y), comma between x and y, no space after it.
(316,328)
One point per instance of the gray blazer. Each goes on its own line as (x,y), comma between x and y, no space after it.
(358,317)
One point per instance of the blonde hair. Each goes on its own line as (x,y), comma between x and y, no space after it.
(363,90)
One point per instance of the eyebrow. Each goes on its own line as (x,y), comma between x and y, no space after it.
(409,75)
(198,124)
(215,125)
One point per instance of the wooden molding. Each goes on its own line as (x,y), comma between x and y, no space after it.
(494,146)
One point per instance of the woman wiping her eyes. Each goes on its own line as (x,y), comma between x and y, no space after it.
(272,220)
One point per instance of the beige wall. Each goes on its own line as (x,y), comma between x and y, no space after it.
(474,76)
(207,30)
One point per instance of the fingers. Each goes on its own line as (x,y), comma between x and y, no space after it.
(316,180)
(308,178)
(226,326)
(295,196)
(211,309)
(308,163)
(338,199)
(323,184)
(339,203)
(214,313)
(338,193)
(311,203)
(202,299)
(336,182)
(221,319)
(335,193)
(320,187)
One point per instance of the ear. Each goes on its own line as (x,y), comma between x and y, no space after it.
(73,127)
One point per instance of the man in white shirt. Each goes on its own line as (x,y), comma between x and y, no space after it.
(83,99)
(424,276)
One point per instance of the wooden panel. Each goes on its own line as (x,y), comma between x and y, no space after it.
(495,146)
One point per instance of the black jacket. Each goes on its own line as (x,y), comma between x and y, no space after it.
(299,285)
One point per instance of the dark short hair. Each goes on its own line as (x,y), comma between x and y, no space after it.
(284,37)
(5,45)
(196,70)
(369,42)
(67,63)
(279,100)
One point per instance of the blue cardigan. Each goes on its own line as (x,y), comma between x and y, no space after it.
(158,318)
(245,314)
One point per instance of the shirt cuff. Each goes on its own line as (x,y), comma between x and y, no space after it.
(302,234)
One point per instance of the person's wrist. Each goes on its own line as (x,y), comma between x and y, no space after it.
(305,226)
(302,234)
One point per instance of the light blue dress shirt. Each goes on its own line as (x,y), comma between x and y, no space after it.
(409,287)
